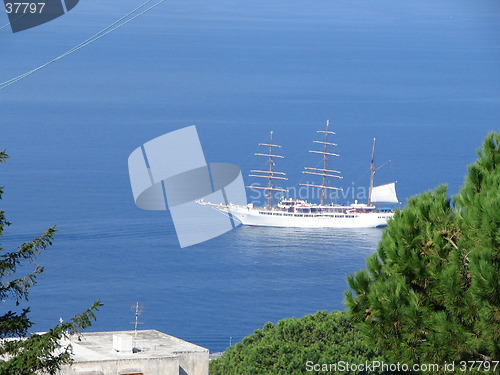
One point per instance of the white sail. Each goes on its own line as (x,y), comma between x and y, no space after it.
(384,193)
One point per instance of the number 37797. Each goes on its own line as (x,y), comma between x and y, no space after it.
(23,8)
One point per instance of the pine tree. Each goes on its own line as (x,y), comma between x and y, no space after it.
(431,292)
(478,207)
(38,353)
(290,346)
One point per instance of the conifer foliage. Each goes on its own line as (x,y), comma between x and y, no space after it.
(39,353)
(432,291)
(293,345)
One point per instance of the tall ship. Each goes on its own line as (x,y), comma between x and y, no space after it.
(298,213)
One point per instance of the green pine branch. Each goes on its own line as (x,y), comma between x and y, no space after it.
(38,353)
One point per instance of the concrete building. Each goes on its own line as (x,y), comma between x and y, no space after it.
(150,352)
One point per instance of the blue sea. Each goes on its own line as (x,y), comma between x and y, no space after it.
(422,77)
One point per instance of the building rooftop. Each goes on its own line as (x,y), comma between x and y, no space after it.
(117,345)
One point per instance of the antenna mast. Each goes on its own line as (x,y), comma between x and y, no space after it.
(138,309)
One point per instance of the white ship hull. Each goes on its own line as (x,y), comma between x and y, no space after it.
(266,218)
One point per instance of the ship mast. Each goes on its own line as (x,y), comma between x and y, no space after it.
(270,174)
(324,172)
(372,172)
(374,169)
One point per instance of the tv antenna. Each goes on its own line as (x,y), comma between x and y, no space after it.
(137,308)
